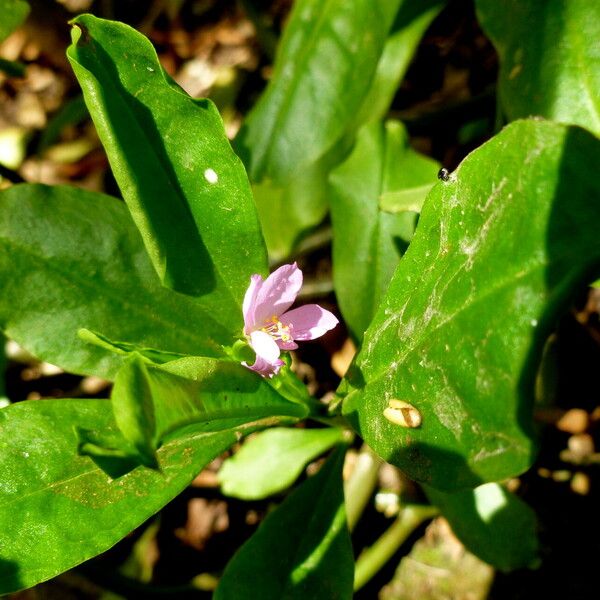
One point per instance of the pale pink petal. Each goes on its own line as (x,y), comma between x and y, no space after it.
(263,368)
(277,293)
(267,361)
(289,345)
(249,305)
(308,322)
(264,346)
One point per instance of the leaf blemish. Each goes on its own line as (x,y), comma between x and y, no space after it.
(402,413)
(211,176)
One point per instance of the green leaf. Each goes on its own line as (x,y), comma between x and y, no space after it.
(301,550)
(72,259)
(13,14)
(411,199)
(125,348)
(549,58)
(324,67)
(493,524)
(500,249)
(58,509)
(133,405)
(287,211)
(186,189)
(153,403)
(412,20)
(272,460)
(381,163)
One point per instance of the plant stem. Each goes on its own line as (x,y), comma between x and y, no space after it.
(359,487)
(373,558)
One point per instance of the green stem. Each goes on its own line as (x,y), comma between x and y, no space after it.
(361,484)
(373,558)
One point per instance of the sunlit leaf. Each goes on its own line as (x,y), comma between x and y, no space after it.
(500,249)
(72,259)
(272,460)
(186,189)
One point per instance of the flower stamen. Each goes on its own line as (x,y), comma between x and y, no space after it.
(277,330)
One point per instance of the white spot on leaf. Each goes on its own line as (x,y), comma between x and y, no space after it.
(211,176)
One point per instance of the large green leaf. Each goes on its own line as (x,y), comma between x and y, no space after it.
(72,259)
(499,250)
(549,58)
(59,509)
(186,189)
(12,14)
(301,550)
(324,67)
(368,243)
(493,524)
(272,460)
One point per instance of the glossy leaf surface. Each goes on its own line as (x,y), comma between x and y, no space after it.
(368,243)
(549,58)
(186,189)
(272,460)
(58,508)
(301,550)
(493,524)
(500,249)
(72,259)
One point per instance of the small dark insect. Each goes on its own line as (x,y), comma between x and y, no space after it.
(444,174)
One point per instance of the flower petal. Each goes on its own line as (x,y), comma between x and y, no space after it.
(249,305)
(267,361)
(263,368)
(309,322)
(264,346)
(277,293)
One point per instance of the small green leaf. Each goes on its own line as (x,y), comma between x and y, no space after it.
(381,163)
(153,403)
(125,348)
(549,58)
(58,509)
(272,460)
(133,406)
(72,259)
(13,14)
(301,550)
(325,64)
(500,249)
(186,189)
(493,524)
(411,199)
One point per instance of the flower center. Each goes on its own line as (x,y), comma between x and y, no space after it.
(277,330)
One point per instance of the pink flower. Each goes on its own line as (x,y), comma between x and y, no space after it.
(268,324)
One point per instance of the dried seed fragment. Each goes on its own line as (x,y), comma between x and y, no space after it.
(402,413)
